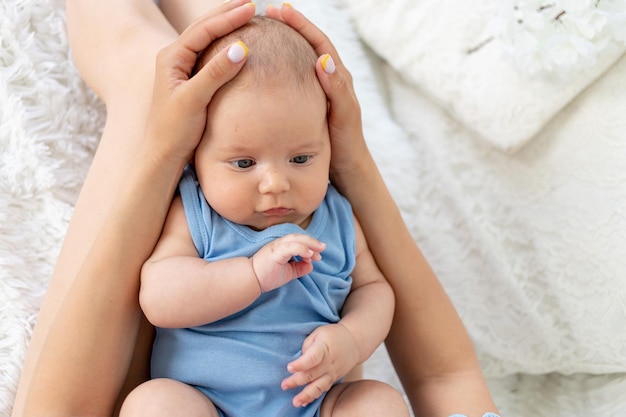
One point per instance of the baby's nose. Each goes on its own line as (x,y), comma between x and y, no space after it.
(273,181)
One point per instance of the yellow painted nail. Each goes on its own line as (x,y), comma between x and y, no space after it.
(237,52)
(328,65)
(287,4)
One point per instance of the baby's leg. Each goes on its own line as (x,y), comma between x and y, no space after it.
(167,398)
(362,399)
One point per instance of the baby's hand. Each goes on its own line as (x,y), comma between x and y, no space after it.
(274,265)
(328,354)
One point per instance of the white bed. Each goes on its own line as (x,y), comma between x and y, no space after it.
(513,185)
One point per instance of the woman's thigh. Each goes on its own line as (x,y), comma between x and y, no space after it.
(114,44)
(181,13)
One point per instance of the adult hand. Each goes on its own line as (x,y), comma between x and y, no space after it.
(179,103)
(344,114)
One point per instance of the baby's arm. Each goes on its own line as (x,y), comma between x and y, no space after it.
(180,289)
(333,350)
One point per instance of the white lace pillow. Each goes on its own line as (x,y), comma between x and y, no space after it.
(455,51)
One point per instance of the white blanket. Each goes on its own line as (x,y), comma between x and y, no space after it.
(49,127)
(531,246)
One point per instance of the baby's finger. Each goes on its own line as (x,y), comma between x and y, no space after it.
(304,370)
(286,251)
(313,353)
(313,391)
(301,245)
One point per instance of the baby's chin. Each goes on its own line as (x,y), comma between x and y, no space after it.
(269,221)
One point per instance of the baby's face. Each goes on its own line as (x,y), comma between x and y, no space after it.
(265,155)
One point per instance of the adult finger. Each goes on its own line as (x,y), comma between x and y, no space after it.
(320,42)
(335,79)
(216,72)
(213,25)
(337,84)
(177,60)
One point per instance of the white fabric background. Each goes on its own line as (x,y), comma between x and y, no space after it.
(529,245)
(50,123)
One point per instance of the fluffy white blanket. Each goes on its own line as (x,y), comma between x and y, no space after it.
(49,127)
(531,246)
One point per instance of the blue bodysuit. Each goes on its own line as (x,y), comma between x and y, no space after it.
(240,360)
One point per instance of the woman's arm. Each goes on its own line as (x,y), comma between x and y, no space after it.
(86,341)
(85,356)
(428,344)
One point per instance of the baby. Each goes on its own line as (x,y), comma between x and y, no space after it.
(262,287)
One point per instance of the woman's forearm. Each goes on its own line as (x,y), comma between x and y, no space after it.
(427,342)
(79,370)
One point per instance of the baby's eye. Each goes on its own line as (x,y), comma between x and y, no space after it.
(300,159)
(243,163)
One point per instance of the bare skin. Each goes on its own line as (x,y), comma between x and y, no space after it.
(117,61)
(428,344)
(137,166)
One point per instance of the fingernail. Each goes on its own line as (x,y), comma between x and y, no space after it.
(328,65)
(287,4)
(237,52)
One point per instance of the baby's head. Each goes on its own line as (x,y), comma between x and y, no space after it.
(279,56)
(265,154)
